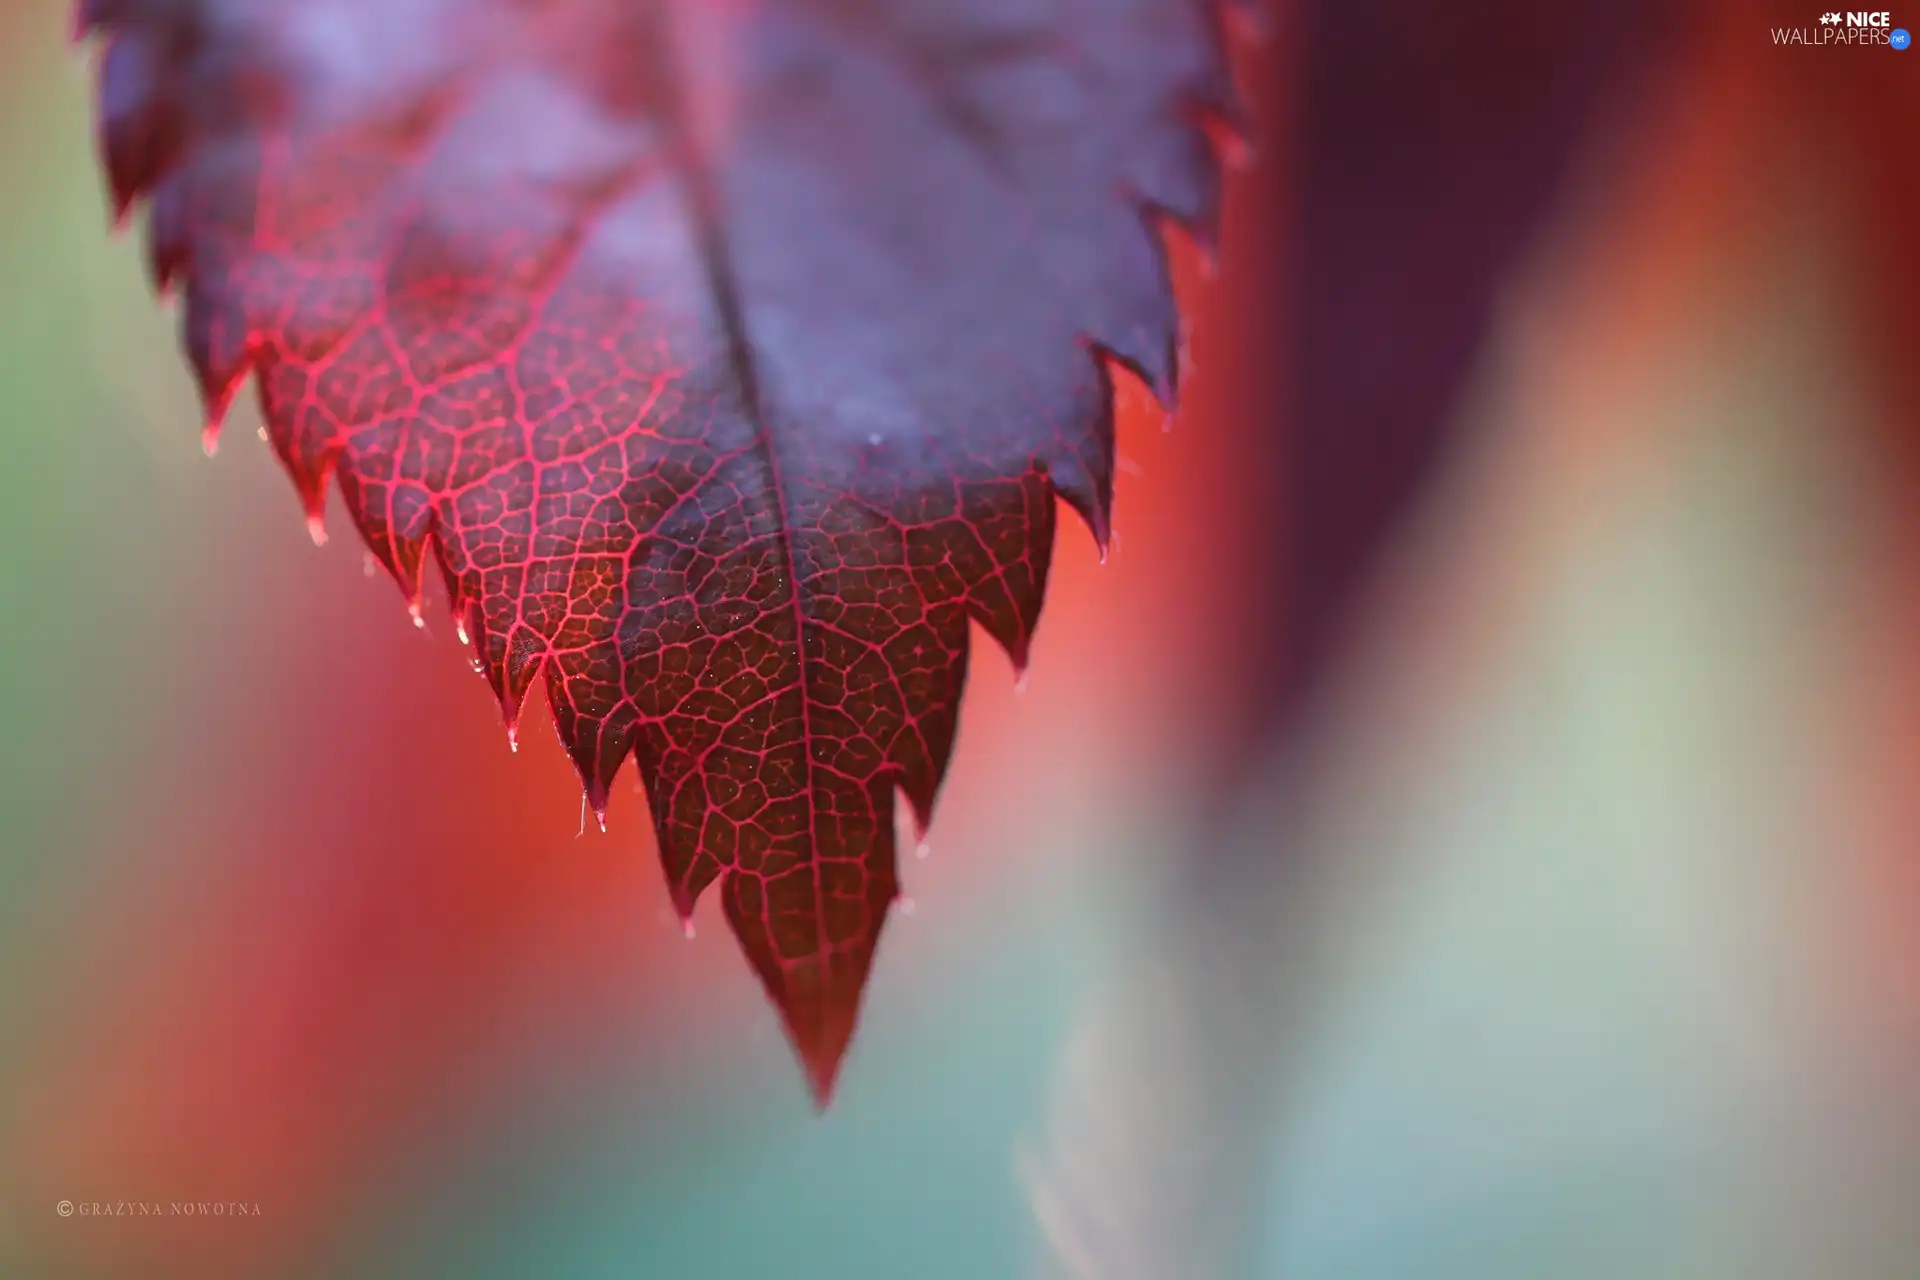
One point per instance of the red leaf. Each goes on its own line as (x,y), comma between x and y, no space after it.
(726,355)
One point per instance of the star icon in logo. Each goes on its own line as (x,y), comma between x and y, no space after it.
(1829,19)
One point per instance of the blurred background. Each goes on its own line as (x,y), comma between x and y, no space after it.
(1470,828)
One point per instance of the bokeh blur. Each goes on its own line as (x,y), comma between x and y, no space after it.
(1468,829)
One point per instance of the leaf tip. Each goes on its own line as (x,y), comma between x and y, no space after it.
(596,794)
(1091,499)
(821,1061)
(1019,654)
(818,995)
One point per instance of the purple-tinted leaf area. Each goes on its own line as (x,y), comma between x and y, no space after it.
(725,357)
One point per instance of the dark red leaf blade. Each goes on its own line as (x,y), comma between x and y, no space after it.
(727,357)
